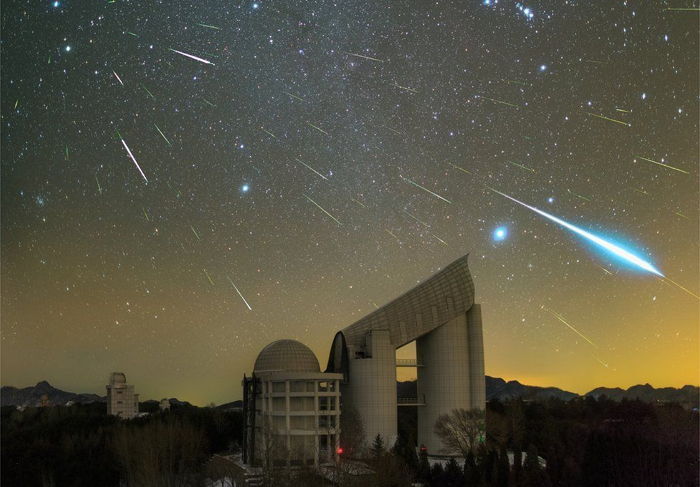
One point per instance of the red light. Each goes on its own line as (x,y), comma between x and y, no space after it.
(339,451)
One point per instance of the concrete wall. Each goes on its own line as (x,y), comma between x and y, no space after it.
(372,388)
(475,338)
(443,381)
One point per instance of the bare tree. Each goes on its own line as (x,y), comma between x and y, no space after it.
(461,431)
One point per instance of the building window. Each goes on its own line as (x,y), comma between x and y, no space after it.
(278,387)
(326,386)
(326,403)
(297,386)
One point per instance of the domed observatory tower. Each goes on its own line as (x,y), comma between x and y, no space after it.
(291,409)
(441,317)
(121,399)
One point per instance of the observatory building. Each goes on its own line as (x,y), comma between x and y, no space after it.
(121,400)
(440,316)
(291,409)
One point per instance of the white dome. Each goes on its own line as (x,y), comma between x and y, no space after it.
(287,356)
(117,378)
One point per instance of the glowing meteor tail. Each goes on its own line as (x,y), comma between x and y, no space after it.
(192,57)
(134,159)
(616,250)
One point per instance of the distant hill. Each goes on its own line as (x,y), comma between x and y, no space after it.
(35,395)
(500,389)
(686,395)
(497,388)
(231,405)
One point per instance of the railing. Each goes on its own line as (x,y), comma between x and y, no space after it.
(407,362)
(410,401)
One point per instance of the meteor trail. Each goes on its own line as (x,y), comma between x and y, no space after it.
(616,250)
(664,279)
(521,166)
(365,57)
(498,101)
(195,233)
(118,78)
(293,96)
(99,188)
(162,134)
(311,168)
(610,119)
(459,168)
(318,128)
(207,274)
(662,164)
(561,318)
(134,159)
(424,189)
(193,57)
(321,208)
(416,219)
(239,293)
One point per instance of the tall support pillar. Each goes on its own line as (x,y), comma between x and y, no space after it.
(443,380)
(372,387)
(475,337)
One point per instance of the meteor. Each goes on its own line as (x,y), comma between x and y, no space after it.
(498,101)
(134,159)
(424,189)
(321,208)
(193,57)
(239,293)
(561,318)
(118,78)
(318,128)
(311,168)
(610,119)
(162,134)
(365,57)
(610,247)
(663,165)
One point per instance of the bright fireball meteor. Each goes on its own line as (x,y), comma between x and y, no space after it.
(192,57)
(618,251)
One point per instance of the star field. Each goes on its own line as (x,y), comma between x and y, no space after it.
(183,183)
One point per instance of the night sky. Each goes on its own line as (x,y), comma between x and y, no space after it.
(296,164)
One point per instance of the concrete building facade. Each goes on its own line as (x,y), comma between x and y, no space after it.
(440,316)
(121,399)
(291,409)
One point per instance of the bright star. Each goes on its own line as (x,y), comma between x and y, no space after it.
(56,3)
(550,199)
(245,188)
(543,67)
(67,48)
(256,5)
(500,234)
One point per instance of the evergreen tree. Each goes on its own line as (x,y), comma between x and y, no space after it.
(377,450)
(423,466)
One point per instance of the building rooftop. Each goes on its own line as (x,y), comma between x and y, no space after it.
(286,356)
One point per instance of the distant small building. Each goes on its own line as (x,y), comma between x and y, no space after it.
(121,399)
(164,405)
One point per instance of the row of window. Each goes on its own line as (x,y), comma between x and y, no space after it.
(279,404)
(307,423)
(302,386)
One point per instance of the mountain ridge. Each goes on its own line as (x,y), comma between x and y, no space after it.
(44,393)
